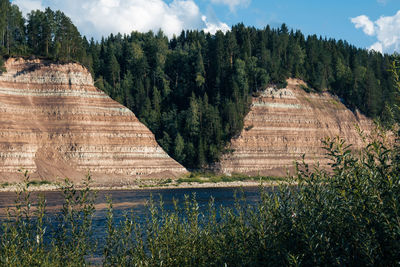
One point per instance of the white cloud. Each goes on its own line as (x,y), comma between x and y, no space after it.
(365,23)
(101,17)
(386,29)
(232,3)
(378,47)
(214,27)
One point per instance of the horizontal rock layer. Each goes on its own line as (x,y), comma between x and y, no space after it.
(54,122)
(284,124)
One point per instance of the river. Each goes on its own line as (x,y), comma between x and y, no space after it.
(128,200)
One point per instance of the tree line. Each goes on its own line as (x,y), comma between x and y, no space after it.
(194,90)
(48,34)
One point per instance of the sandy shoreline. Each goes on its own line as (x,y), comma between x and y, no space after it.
(54,187)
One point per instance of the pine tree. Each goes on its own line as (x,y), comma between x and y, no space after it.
(34,31)
(15,32)
(192,127)
(165,142)
(112,68)
(199,71)
(2,68)
(373,95)
(179,148)
(48,25)
(4,11)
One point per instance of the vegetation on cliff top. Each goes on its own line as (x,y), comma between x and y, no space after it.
(194,90)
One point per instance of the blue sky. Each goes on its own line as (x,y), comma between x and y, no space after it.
(373,24)
(327,17)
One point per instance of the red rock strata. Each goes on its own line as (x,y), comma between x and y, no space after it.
(55,123)
(287,123)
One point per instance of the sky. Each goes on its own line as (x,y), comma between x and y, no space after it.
(371,24)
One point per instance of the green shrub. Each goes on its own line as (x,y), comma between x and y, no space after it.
(23,235)
(38,183)
(306,88)
(2,67)
(6,184)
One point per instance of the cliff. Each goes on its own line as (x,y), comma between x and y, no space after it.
(284,124)
(55,123)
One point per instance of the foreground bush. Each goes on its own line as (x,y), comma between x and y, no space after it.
(349,216)
(26,241)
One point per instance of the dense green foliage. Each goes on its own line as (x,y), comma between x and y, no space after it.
(350,217)
(194,90)
(45,34)
(27,240)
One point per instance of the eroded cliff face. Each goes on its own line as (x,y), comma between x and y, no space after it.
(55,123)
(284,124)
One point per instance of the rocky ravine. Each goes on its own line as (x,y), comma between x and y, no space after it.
(284,124)
(56,124)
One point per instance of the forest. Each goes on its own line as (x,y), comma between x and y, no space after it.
(194,90)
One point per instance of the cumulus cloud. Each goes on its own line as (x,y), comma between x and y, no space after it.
(101,17)
(377,47)
(232,3)
(365,23)
(386,29)
(214,27)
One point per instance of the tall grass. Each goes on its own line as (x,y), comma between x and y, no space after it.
(26,241)
(348,216)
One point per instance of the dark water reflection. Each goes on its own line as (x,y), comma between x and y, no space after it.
(126,200)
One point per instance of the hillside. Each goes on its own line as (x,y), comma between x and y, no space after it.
(56,124)
(283,124)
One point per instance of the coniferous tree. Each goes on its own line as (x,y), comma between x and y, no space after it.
(4,10)
(179,148)
(15,31)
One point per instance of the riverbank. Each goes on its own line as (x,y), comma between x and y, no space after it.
(191,181)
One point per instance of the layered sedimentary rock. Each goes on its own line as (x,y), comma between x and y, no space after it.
(284,124)
(55,123)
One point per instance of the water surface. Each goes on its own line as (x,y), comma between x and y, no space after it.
(135,200)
